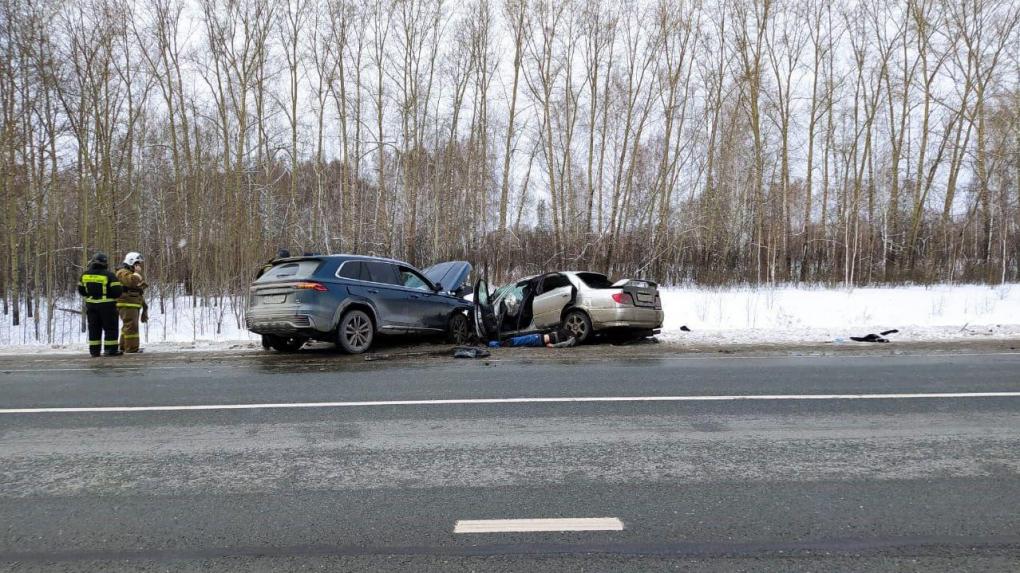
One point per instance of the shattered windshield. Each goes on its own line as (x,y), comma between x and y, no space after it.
(502,291)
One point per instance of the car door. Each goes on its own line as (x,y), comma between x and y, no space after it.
(377,282)
(423,307)
(553,295)
(486,325)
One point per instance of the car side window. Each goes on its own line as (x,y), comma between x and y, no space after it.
(353,270)
(411,279)
(380,272)
(554,282)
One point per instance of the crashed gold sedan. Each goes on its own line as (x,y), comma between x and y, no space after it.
(583,304)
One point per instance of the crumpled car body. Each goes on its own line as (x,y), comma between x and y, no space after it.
(583,303)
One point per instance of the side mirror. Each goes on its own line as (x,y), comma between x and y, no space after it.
(438,287)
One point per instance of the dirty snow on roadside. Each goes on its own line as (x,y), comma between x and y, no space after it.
(740,315)
(820,314)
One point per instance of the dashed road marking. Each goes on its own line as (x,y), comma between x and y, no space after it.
(536,400)
(533,525)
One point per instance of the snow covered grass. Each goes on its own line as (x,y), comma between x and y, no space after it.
(742,315)
(181,324)
(822,314)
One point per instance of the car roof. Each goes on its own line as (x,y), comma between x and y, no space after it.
(574,273)
(346,257)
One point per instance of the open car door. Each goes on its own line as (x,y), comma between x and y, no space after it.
(486,324)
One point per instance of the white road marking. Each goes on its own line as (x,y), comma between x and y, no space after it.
(538,400)
(528,525)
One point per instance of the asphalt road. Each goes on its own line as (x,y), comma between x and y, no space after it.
(713,462)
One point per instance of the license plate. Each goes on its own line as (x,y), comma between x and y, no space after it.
(273,298)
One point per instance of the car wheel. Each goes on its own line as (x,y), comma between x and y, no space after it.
(577,323)
(457,331)
(285,343)
(355,332)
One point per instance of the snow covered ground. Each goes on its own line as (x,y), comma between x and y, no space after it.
(180,324)
(739,315)
(818,314)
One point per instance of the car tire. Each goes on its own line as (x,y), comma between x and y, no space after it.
(577,323)
(285,343)
(356,332)
(457,331)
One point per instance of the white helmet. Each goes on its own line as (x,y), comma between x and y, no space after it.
(131,258)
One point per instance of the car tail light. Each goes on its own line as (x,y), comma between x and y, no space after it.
(311,286)
(623,298)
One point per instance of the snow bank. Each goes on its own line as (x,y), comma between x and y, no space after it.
(817,314)
(741,315)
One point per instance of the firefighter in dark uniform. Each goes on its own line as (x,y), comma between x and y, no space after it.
(101,289)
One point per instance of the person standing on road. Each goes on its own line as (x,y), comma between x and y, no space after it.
(131,303)
(101,290)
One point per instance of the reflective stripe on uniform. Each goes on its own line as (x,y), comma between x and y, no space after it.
(111,343)
(95,342)
(101,280)
(128,335)
(99,300)
(128,305)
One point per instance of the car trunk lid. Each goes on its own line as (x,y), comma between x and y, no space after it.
(644,293)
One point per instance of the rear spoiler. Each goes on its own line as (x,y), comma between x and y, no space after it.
(636,283)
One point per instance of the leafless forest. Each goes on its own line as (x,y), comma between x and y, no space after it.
(713,141)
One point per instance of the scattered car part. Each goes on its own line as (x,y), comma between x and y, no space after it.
(470,352)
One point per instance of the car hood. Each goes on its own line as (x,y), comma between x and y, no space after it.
(451,274)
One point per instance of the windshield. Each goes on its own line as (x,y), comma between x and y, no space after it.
(503,290)
(410,279)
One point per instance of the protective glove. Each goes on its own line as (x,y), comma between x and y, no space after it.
(145,315)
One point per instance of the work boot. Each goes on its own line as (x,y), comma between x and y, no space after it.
(114,353)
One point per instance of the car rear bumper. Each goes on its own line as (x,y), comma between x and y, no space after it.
(626,317)
(285,323)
